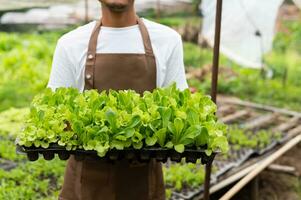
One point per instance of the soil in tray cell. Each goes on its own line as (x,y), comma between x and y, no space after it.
(130,155)
(33,156)
(63,155)
(162,156)
(145,155)
(48,155)
(175,156)
(191,159)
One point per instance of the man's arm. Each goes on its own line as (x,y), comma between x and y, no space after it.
(175,67)
(63,70)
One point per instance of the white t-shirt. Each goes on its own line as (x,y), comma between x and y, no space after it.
(68,67)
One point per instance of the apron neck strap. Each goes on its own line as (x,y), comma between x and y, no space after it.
(94,39)
(146,38)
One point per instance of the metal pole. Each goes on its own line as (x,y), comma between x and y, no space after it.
(207,181)
(214,81)
(218,20)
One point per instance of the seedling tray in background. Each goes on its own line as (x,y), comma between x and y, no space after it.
(142,155)
(191,193)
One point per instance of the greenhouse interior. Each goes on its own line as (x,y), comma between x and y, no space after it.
(150,100)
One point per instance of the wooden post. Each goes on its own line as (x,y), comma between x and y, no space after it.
(218,21)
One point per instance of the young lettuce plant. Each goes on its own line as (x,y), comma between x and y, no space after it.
(166,117)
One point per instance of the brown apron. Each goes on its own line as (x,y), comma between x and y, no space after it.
(98,180)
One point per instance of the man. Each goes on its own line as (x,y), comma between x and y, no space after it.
(121,51)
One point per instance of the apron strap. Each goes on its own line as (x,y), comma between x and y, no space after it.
(91,57)
(91,54)
(146,38)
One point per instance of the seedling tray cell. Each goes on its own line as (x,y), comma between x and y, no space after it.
(242,155)
(63,155)
(222,167)
(142,155)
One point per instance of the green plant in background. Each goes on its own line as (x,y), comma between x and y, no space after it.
(8,149)
(24,72)
(11,122)
(168,193)
(285,58)
(180,176)
(241,138)
(180,21)
(173,20)
(248,85)
(39,180)
(238,138)
(195,56)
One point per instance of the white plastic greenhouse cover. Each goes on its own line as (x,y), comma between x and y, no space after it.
(241,20)
(298,3)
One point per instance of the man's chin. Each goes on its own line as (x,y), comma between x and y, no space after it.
(114,7)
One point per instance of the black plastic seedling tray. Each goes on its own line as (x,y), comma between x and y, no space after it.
(142,155)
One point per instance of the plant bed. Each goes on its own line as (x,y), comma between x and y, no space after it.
(142,155)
